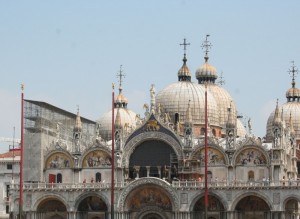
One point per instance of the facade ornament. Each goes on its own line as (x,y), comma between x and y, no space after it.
(152,96)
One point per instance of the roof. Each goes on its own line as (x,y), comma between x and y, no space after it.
(62,111)
(10,154)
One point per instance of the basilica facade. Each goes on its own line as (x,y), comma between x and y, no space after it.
(159,159)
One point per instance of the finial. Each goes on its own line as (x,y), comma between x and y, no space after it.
(113,86)
(206,45)
(22,87)
(120,74)
(293,73)
(184,44)
(221,80)
(77,108)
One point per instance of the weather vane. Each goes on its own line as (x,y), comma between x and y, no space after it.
(120,75)
(293,73)
(206,45)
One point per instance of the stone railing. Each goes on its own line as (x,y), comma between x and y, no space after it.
(236,184)
(188,184)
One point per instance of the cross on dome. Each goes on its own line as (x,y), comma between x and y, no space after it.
(206,46)
(120,75)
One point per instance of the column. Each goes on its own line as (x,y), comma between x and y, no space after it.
(148,171)
(159,171)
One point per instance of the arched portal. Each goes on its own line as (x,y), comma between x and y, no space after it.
(152,158)
(252,207)
(92,207)
(52,209)
(149,202)
(152,216)
(292,209)
(215,208)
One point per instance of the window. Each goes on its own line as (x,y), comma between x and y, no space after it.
(98,177)
(9,166)
(59,178)
(251,175)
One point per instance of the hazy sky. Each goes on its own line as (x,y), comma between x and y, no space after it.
(68,53)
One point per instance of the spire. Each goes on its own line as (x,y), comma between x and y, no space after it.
(276,119)
(231,120)
(291,124)
(121,100)
(206,45)
(184,73)
(78,126)
(120,74)
(293,71)
(189,117)
(118,124)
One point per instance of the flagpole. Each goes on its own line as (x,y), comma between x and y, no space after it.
(22,151)
(113,153)
(206,153)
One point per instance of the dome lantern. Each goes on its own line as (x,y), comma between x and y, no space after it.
(184,73)
(120,101)
(293,94)
(206,73)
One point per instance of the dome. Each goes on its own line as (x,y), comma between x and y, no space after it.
(184,73)
(121,99)
(206,72)
(287,109)
(127,116)
(292,94)
(175,99)
(240,129)
(224,102)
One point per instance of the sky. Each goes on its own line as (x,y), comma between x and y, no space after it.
(68,53)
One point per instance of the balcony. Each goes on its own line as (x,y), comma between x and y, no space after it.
(176,184)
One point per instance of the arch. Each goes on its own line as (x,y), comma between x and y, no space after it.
(217,157)
(214,197)
(149,136)
(151,213)
(290,206)
(86,195)
(96,158)
(51,205)
(150,182)
(92,203)
(241,195)
(251,175)
(49,196)
(59,160)
(251,156)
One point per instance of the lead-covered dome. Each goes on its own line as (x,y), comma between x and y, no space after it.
(127,119)
(175,98)
(289,109)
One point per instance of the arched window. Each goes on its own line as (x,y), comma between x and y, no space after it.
(98,177)
(214,132)
(202,131)
(251,175)
(59,178)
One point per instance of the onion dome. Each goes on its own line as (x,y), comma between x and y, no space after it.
(184,73)
(290,109)
(123,117)
(240,129)
(177,97)
(206,73)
